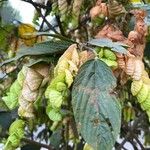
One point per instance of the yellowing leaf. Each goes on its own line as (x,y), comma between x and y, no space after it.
(23,29)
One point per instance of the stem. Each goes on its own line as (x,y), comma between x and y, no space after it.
(60,25)
(37,7)
(130,133)
(37,143)
(138,141)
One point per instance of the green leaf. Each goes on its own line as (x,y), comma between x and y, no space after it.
(97,111)
(5,119)
(56,135)
(5,34)
(37,59)
(44,48)
(58,36)
(105,42)
(30,146)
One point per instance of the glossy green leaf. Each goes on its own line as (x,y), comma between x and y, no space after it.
(97,111)
(44,48)
(105,42)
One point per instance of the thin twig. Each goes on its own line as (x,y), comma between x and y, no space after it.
(60,25)
(138,141)
(37,4)
(131,131)
(37,143)
(39,11)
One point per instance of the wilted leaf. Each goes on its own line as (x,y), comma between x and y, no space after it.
(105,42)
(97,111)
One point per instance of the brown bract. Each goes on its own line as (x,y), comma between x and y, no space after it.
(112,32)
(36,78)
(115,9)
(99,8)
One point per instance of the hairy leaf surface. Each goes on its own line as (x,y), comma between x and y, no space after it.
(97,111)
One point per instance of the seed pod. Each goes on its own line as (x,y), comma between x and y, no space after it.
(83,56)
(61,86)
(11,100)
(75,57)
(76,12)
(32,89)
(143,94)
(57,92)
(53,114)
(55,98)
(139,67)
(15,125)
(23,112)
(72,68)
(136,87)
(57,79)
(145,77)
(115,9)
(16,133)
(130,66)
(69,77)
(146,104)
(109,54)
(110,63)
(14,140)
(121,61)
(63,8)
